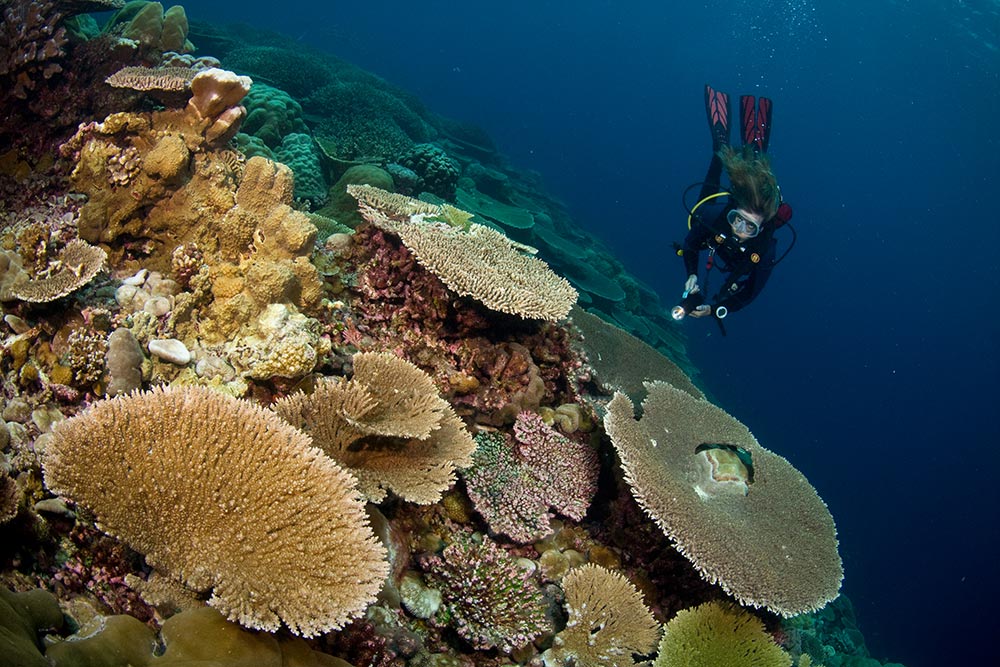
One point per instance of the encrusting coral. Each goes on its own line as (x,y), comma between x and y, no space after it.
(718,633)
(387,425)
(478,262)
(757,529)
(608,621)
(223,495)
(199,636)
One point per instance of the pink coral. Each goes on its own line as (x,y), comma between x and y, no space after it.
(98,565)
(513,487)
(504,492)
(566,470)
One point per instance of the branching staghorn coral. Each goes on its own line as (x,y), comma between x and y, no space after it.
(608,621)
(387,425)
(746,519)
(221,494)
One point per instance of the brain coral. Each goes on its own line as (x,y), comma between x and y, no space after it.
(743,515)
(221,494)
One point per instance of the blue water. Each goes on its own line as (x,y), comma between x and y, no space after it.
(870,362)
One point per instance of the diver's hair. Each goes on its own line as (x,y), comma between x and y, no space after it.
(751,181)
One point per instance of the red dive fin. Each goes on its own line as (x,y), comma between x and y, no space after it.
(748,119)
(755,122)
(763,123)
(717,109)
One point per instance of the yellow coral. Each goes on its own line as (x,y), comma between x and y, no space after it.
(608,620)
(715,634)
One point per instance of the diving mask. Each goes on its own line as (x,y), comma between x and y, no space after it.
(743,222)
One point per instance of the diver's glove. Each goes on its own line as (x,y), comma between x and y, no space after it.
(701,311)
(688,305)
(691,286)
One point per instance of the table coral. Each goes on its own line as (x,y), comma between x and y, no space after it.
(256,514)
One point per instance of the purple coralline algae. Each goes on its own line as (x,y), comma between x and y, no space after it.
(513,484)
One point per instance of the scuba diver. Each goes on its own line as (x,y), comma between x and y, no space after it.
(740,237)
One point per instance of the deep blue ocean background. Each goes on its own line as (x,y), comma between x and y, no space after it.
(870,362)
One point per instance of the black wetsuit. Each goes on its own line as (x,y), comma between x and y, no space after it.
(742,278)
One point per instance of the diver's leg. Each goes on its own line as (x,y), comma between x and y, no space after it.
(713,178)
(717,110)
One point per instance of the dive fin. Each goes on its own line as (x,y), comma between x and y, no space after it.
(717,109)
(748,120)
(763,123)
(755,122)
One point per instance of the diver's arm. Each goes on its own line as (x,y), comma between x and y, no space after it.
(694,242)
(752,288)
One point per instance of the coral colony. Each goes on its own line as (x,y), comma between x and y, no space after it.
(296,370)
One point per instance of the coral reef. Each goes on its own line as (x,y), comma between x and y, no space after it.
(278,346)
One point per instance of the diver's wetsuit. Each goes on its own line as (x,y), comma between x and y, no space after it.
(744,279)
